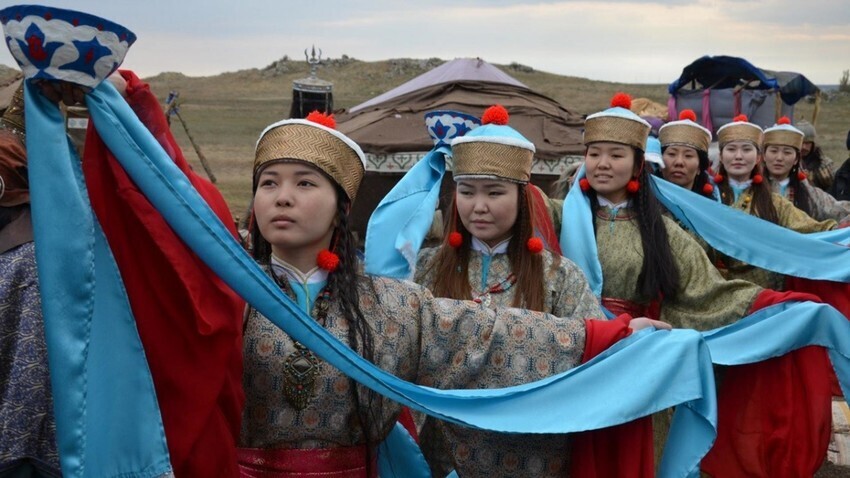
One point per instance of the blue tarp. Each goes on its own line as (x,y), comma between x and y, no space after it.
(721,72)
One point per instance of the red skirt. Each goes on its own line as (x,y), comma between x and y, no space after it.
(344,462)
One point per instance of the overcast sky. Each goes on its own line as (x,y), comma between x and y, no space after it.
(626,41)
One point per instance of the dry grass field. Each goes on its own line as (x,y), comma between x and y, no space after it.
(226,113)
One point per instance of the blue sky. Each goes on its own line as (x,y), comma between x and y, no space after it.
(627,41)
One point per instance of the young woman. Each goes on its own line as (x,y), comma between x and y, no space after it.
(310,417)
(684,148)
(743,187)
(649,264)
(491,255)
(782,158)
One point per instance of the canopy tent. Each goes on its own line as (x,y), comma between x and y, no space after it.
(391,127)
(721,87)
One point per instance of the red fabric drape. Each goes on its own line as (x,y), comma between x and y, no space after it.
(774,417)
(624,451)
(189,321)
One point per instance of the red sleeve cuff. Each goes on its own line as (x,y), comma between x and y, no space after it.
(601,334)
(770,297)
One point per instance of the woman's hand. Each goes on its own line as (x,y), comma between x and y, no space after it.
(63,91)
(641,323)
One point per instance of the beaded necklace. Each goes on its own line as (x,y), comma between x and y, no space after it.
(301,367)
(503,286)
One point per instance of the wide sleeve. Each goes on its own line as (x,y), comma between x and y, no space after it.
(571,294)
(704,300)
(825,207)
(424,273)
(467,345)
(797,220)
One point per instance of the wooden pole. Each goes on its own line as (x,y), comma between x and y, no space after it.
(172,109)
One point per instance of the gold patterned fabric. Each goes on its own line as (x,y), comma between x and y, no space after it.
(739,131)
(327,149)
(618,129)
(790,217)
(480,158)
(543,455)
(704,301)
(440,343)
(684,132)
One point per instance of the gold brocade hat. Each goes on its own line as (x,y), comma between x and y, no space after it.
(686,132)
(740,129)
(493,150)
(313,140)
(783,134)
(617,125)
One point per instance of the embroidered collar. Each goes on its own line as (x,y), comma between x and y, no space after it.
(283,269)
(610,205)
(614,212)
(482,247)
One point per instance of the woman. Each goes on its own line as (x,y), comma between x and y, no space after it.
(684,148)
(491,255)
(782,158)
(742,186)
(651,265)
(302,414)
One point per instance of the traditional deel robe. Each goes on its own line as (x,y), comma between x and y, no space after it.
(441,343)
(823,205)
(789,217)
(566,295)
(28,428)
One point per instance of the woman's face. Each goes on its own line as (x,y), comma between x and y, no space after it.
(681,165)
(295,208)
(488,208)
(609,167)
(739,158)
(779,160)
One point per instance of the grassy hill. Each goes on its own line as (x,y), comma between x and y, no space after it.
(226,113)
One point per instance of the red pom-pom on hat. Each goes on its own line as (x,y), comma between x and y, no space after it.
(707,188)
(688,115)
(327,260)
(496,114)
(758,179)
(321,118)
(622,100)
(455,239)
(535,245)
(584,184)
(740,119)
(784,120)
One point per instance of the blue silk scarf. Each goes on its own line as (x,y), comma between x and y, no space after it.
(584,398)
(108,422)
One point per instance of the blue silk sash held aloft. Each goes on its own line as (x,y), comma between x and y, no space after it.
(108,422)
(399,224)
(584,398)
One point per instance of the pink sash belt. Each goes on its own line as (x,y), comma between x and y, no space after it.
(345,462)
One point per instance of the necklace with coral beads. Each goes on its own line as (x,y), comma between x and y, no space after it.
(301,367)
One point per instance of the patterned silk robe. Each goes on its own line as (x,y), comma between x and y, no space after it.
(448,446)
(441,343)
(824,206)
(27,426)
